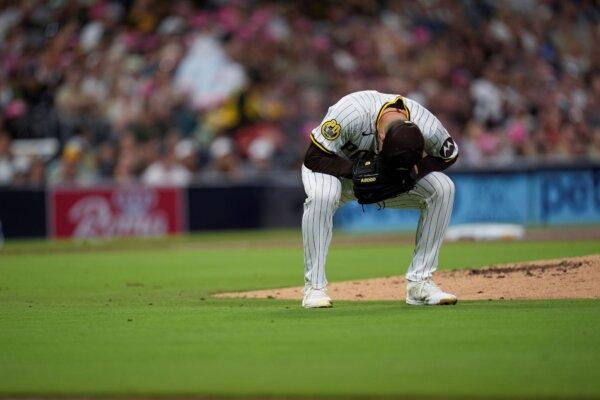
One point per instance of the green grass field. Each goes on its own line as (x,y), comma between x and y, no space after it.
(136,318)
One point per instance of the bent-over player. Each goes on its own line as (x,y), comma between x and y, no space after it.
(384,148)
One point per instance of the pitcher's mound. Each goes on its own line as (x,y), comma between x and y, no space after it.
(570,278)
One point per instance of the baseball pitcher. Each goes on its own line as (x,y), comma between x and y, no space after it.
(386,149)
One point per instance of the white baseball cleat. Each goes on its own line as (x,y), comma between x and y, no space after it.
(315,298)
(426,293)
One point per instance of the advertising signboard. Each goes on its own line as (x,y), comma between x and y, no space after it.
(115,211)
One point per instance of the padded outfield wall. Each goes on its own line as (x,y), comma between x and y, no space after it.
(541,198)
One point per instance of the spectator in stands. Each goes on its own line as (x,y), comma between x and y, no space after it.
(71,169)
(106,159)
(510,79)
(37,173)
(167,171)
(7,168)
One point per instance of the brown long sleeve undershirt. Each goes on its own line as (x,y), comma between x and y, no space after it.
(319,161)
(429,164)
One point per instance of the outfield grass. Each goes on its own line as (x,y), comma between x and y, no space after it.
(139,320)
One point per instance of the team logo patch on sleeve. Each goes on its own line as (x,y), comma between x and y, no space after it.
(447,149)
(331,129)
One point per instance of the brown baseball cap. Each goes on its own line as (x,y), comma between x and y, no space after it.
(403,144)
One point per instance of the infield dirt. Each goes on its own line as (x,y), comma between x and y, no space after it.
(568,278)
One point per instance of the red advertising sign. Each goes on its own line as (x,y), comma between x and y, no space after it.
(115,211)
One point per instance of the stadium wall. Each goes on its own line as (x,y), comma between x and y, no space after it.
(22,213)
(542,198)
(550,197)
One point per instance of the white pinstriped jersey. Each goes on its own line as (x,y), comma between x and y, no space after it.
(350,125)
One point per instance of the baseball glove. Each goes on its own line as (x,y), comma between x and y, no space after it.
(373,182)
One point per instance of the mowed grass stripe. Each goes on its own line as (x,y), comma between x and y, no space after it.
(259,347)
(206,271)
(142,322)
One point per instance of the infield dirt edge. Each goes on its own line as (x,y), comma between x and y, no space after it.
(564,278)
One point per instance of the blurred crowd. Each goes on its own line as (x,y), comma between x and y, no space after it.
(170,92)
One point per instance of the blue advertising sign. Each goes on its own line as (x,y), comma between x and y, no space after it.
(353,217)
(529,198)
(490,198)
(567,197)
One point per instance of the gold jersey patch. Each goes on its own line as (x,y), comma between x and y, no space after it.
(331,129)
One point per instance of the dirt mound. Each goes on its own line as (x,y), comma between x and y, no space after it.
(571,278)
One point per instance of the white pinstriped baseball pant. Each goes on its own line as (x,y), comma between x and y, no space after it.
(433,195)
